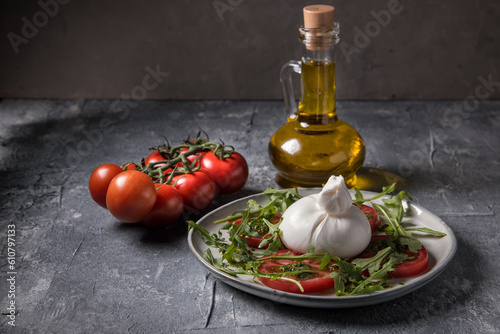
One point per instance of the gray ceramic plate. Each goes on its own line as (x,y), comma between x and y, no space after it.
(440,251)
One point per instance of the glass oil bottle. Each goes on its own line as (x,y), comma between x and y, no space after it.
(314,144)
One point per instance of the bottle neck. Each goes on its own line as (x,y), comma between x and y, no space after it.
(317,104)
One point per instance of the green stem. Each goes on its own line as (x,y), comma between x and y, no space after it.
(235,217)
(156,169)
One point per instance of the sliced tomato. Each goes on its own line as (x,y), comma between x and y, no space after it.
(408,268)
(255,241)
(317,282)
(372,215)
(412,267)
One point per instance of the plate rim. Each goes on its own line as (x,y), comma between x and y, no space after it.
(306,300)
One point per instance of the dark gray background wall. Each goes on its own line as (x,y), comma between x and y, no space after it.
(234,49)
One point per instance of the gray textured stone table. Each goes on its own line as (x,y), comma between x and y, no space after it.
(78,270)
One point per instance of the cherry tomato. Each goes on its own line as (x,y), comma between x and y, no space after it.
(317,281)
(190,158)
(197,190)
(255,241)
(129,167)
(229,174)
(410,267)
(99,182)
(167,209)
(155,157)
(372,216)
(131,196)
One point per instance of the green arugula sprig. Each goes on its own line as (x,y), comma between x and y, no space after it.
(280,200)
(359,199)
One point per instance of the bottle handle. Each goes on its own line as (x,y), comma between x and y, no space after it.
(286,83)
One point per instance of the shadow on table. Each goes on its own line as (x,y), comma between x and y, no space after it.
(160,235)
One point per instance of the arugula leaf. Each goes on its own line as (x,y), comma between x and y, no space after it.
(393,211)
(339,278)
(373,263)
(394,258)
(211,239)
(359,199)
(280,200)
(273,241)
(426,230)
(346,276)
(325,261)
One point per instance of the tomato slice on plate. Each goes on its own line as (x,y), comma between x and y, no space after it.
(408,268)
(412,267)
(311,282)
(372,216)
(257,225)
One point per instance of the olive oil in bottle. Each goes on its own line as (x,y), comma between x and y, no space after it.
(314,144)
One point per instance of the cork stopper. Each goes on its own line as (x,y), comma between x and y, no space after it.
(318,16)
(318,19)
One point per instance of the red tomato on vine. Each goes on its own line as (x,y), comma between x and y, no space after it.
(197,189)
(230,174)
(99,182)
(155,157)
(131,196)
(167,208)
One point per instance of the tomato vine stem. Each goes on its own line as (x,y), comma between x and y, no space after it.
(175,155)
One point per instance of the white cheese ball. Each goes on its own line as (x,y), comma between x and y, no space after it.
(328,221)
